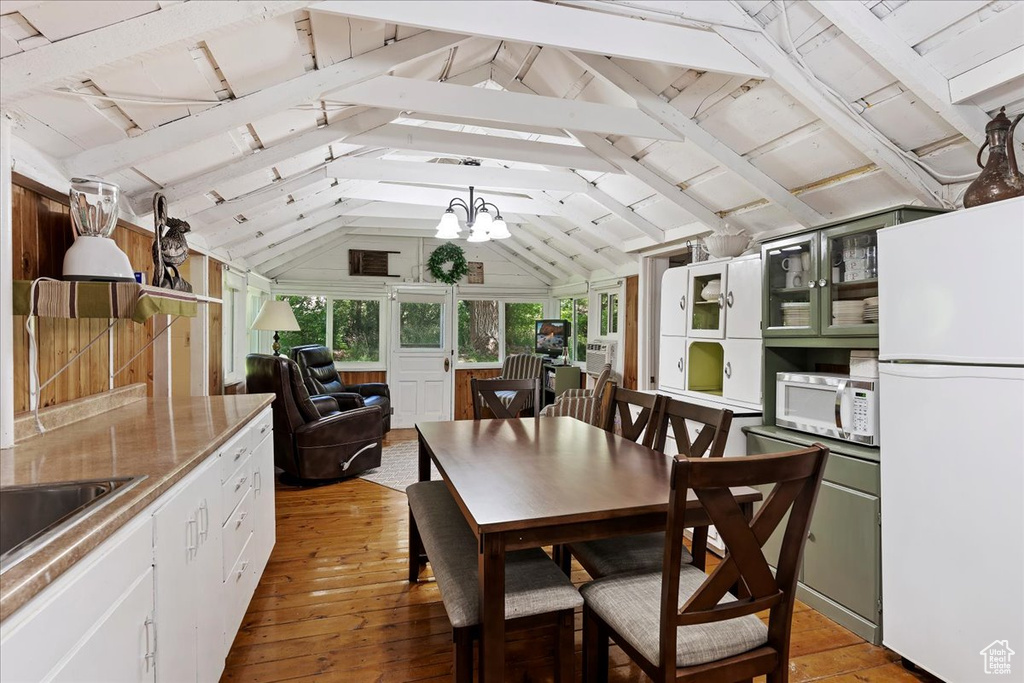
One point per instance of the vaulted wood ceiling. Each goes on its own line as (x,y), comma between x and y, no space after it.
(603,128)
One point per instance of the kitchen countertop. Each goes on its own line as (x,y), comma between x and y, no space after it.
(163,439)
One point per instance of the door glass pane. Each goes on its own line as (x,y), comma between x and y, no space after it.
(478,331)
(853,260)
(311,314)
(356,331)
(420,325)
(520,330)
(789,296)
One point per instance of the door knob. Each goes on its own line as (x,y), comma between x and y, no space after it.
(447,364)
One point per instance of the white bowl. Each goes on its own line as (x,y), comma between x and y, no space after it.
(724,246)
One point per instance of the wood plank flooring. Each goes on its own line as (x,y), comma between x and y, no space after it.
(334,604)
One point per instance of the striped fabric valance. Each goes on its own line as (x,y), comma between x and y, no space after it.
(60,299)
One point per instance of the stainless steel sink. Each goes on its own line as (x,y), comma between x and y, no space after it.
(31,515)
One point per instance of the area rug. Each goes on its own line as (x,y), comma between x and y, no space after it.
(399,467)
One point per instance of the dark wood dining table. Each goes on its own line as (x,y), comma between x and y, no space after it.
(532,482)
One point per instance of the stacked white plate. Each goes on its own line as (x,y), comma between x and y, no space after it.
(871,309)
(849,312)
(796,314)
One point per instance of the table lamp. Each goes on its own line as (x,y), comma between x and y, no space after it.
(276,316)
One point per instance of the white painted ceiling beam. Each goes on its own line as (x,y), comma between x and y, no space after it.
(307,252)
(627,214)
(901,60)
(411,194)
(470,121)
(267,158)
(393,92)
(513,245)
(572,244)
(568,213)
(451,174)
(308,234)
(50,65)
(683,125)
(455,144)
(767,54)
(243,205)
(537,23)
(533,266)
(282,234)
(233,113)
(549,254)
(991,74)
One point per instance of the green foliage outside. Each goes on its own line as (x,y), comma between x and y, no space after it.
(420,325)
(520,328)
(311,314)
(575,311)
(478,331)
(356,331)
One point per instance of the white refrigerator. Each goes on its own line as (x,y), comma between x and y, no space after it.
(951,335)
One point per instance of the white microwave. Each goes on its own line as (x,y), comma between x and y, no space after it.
(830,405)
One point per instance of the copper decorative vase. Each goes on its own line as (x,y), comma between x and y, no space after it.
(999,177)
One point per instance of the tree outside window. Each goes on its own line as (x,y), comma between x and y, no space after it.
(311,314)
(520,328)
(478,331)
(609,314)
(575,311)
(356,331)
(420,325)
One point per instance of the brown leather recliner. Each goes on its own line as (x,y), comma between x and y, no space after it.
(313,438)
(316,366)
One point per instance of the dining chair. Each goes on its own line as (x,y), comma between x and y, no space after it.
(680,624)
(643,552)
(505,398)
(583,404)
(618,408)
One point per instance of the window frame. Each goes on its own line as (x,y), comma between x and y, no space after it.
(574,320)
(546,306)
(328,332)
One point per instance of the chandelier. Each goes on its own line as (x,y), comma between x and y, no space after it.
(482,225)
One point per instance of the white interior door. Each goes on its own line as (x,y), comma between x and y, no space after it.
(422,363)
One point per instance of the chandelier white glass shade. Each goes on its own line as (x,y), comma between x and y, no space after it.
(483,226)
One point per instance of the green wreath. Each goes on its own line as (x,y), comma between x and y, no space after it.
(448,253)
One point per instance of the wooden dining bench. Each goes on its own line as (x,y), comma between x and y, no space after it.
(537,593)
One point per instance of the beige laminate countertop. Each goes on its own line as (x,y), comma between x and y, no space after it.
(163,439)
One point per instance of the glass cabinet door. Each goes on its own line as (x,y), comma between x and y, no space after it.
(848,282)
(791,274)
(707,300)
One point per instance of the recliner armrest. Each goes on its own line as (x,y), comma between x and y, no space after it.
(340,428)
(325,405)
(347,400)
(371,389)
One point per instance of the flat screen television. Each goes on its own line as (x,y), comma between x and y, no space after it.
(552,337)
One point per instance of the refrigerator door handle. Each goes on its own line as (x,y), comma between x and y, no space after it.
(840,394)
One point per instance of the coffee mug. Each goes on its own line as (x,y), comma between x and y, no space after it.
(854,252)
(855,264)
(795,278)
(794,264)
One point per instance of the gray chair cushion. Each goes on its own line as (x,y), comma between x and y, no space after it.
(533,583)
(631,605)
(639,553)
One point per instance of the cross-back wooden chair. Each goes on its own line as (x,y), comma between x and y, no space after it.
(680,624)
(505,398)
(618,412)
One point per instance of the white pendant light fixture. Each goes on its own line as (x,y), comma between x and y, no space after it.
(483,226)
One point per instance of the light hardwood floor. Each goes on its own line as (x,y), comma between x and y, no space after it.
(334,604)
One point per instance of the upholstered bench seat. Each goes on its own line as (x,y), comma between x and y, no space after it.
(533,583)
(631,605)
(607,556)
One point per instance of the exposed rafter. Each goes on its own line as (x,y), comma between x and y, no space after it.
(233,113)
(450,143)
(626,213)
(27,72)
(314,232)
(550,255)
(572,244)
(562,27)
(446,99)
(764,52)
(267,158)
(307,252)
(532,264)
(282,234)
(888,49)
(987,76)
(683,125)
(451,174)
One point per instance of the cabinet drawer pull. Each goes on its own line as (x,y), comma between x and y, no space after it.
(241,519)
(204,526)
(822,282)
(240,453)
(721,301)
(257,480)
(241,482)
(729,299)
(682,302)
(192,539)
(241,571)
(728,369)
(811,284)
(150,641)
(264,429)
(680,365)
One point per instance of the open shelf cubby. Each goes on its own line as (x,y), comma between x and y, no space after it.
(705,363)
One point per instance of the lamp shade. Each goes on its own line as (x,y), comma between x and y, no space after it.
(276,316)
(499,230)
(448,227)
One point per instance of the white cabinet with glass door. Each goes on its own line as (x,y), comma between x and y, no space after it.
(420,374)
(674,298)
(706,303)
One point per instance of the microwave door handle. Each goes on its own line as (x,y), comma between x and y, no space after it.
(840,393)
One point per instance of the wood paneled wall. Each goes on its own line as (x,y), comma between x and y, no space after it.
(41,234)
(367,377)
(216,328)
(629,352)
(463,393)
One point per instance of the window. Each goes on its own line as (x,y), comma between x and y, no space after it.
(575,311)
(228,326)
(520,330)
(356,331)
(478,331)
(609,314)
(420,325)
(252,309)
(311,314)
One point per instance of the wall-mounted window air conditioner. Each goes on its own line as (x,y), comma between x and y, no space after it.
(599,352)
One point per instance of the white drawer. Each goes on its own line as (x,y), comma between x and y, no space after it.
(239,585)
(260,428)
(233,453)
(237,530)
(235,487)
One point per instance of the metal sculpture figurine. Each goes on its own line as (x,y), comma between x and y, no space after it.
(170,249)
(1000,178)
